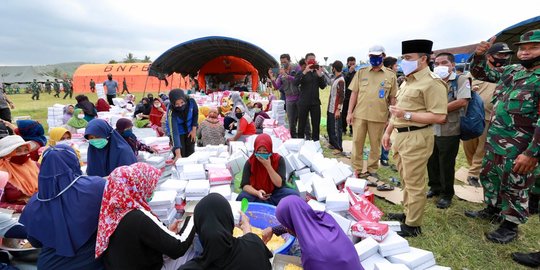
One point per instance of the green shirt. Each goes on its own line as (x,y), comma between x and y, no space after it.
(515,125)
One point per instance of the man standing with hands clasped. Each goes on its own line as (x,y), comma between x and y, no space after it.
(513,140)
(421,101)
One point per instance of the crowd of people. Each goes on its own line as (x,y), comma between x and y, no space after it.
(416,115)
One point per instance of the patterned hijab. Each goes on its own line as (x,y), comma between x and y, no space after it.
(127,189)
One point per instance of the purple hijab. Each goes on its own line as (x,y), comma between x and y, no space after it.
(323,243)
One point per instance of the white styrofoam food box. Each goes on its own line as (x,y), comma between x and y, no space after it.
(343,222)
(236,206)
(392,225)
(197,188)
(224,190)
(322,187)
(356,185)
(366,248)
(172,184)
(393,244)
(414,258)
(337,202)
(164,197)
(438,267)
(390,266)
(316,206)
(369,263)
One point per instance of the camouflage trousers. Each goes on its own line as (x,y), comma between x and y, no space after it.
(505,189)
(536,187)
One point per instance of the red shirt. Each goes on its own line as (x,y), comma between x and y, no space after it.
(247,129)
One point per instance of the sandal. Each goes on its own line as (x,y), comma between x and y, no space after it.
(385,187)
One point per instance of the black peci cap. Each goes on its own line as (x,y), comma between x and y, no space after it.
(416,46)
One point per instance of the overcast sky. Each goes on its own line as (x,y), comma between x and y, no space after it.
(55,31)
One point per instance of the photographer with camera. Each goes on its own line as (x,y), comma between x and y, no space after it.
(309,81)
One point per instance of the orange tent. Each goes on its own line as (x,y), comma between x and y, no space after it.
(136,75)
(229,69)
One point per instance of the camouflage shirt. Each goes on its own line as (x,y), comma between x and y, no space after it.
(34,87)
(515,124)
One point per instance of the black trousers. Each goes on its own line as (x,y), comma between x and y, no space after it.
(69,93)
(5,114)
(188,147)
(314,111)
(110,98)
(441,165)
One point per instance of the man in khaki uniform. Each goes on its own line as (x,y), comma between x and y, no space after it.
(498,56)
(373,89)
(421,101)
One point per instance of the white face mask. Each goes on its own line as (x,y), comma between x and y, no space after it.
(157,105)
(257,110)
(408,67)
(80,116)
(441,71)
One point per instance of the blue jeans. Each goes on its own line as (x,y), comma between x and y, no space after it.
(384,154)
(277,195)
(334,129)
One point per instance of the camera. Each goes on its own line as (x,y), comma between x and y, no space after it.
(313,63)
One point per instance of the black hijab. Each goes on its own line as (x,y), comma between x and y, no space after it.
(143,108)
(214,223)
(85,104)
(175,95)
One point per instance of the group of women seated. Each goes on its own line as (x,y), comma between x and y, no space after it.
(102,220)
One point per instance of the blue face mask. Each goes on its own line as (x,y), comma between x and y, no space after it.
(375,60)
(127,133)
(263,156)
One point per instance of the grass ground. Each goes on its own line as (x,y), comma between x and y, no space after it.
(456,241)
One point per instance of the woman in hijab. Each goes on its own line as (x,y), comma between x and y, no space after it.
(88,107)
(164,99)
(142,113)
(224,107)
(59,135)
(77,121)
(124,128)
(210,131)
(263,178)
(23,172)
(107,149)
(245,128)
(129,235)
(214,224)
(62,217)
(102,105)
(156,116)
(259,115)
(324,245)
(68,113)
(33,131)
(181,124)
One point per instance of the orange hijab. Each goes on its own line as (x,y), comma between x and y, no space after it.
(24,177)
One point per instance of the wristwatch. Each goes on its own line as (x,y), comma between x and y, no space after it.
(407,116)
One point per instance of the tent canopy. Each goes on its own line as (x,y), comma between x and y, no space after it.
(22,74)
(189,57)
(231,69)
(511,34)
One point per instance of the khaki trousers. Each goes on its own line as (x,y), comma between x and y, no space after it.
(411,153)
(474,151)
(375,131)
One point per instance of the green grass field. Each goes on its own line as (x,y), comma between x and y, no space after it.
(456,241)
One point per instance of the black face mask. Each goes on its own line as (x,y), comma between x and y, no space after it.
(110,77)
(497,62)
(530,63)
(179,108)
(239,115)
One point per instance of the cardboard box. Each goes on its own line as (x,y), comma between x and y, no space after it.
(414,259)
(393,244)
(366,248)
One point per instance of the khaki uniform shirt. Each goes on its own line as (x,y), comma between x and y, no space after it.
(375,89)
(485,90)
(422,91)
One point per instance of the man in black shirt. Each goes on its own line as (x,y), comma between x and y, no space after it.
(309,81)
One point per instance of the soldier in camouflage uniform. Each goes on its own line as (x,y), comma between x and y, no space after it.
(34,86)
(56,86)
(48,88)
(513,140)
(68,89)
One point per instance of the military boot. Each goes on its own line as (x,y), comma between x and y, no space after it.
(489,213)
